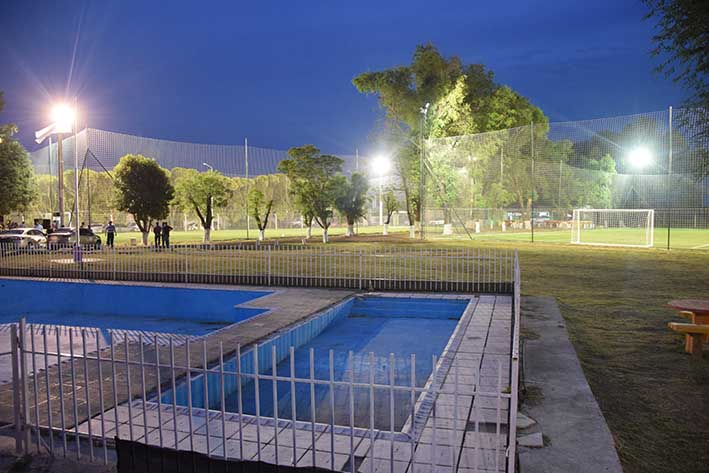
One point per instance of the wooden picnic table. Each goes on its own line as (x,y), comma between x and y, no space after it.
(697,311)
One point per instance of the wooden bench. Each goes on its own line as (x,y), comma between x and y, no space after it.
(695,332)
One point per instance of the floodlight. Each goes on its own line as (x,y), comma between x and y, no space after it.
(63,117)
(381,165)
(640,157)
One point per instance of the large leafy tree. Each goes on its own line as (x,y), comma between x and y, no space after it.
(17,183)
(314,183)
(352,199)
(143,189)
(202,192)
(462,99)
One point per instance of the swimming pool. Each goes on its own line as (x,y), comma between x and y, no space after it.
(176,310)
(376,330)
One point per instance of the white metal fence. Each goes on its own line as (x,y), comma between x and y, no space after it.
(385,268)
(80,398)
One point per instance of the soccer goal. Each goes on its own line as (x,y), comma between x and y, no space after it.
(613,227)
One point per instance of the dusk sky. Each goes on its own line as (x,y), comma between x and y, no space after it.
(280,73)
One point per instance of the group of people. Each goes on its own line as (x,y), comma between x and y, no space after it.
(162,234)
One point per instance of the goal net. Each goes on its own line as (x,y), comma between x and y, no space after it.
(613,227)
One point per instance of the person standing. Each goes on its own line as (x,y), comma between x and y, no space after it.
(110,233)
(157,230)
(166,229)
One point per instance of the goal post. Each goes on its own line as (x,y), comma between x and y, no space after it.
(613,227)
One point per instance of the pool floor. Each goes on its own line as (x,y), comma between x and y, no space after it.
(377,326)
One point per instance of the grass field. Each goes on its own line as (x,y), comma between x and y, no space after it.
(681,238)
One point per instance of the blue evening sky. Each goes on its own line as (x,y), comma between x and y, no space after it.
(279,72)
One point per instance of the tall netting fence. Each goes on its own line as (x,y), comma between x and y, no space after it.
(525,183)
(99,151)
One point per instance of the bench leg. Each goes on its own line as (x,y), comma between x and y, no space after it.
(696,344)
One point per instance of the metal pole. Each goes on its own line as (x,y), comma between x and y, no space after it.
(381,204)
(246,162)
(77,223)
(669,183)
(49,168)
(531,217)
(60,177)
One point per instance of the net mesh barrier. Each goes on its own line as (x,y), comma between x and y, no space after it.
(525,183)
(516,184)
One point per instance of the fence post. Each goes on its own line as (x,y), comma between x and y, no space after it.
(268,270)
(16,388)
(23,382)
(360,270)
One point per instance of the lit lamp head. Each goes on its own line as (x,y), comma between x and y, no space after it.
(381,165)
(63,117)
(640,157)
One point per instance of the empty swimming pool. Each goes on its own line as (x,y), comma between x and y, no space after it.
(364,335)
(176,310)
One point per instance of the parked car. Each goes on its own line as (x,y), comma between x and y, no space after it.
(64,237)
(29,238)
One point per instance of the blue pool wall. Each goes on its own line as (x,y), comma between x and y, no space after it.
(59,298)
(294,337)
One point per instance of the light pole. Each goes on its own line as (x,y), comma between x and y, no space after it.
(381,166)
(63,119)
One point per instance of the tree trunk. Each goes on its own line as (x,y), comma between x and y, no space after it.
(350,230)
(412,231)
(386,229)
(207,234)
(145,238)
(325,238)
(309,232)
(261,235)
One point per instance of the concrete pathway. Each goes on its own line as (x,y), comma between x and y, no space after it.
(576,435)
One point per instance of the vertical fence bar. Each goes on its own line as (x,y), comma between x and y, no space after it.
(292,401)
(332,410)
(173,390)
(240,403)
(189,393)
(274,372)
(34,385)
(499,415)
(205,379)
(100,396)
(222,400)
(312,403)
(46,382)
(26,424)
(16,388)
(73,392)
(350,358)
(159,394)
(434,440)
(371,411)
(142,387)
(88,394)
(258,404)
(392,362)
(412,433)
(128,386)
(113,385)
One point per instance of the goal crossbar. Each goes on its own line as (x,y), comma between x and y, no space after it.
(613,227)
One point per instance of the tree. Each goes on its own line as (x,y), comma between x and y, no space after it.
(391,205)
(260,210)
(352,199)
(143,189)
(17,183)
(463,99)
(202,192)
(314,183)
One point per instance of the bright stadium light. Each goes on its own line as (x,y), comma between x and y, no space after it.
(381,165)
(640,157)
(63,117)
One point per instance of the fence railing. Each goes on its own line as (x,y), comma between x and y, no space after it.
(388,268)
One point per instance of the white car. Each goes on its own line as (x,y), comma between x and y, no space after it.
(29,238)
